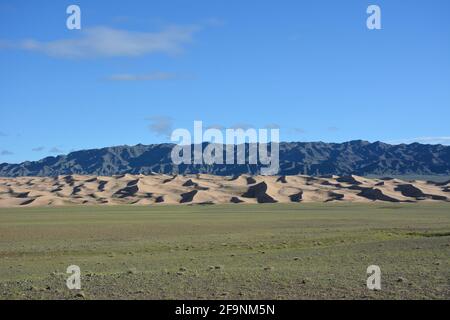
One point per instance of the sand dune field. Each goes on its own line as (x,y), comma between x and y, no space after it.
(210,189)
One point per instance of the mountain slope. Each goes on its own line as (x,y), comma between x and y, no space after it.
(313,158)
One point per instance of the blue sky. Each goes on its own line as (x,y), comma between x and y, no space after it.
(136,69)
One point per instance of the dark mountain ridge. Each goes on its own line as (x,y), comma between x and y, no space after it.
(312,158)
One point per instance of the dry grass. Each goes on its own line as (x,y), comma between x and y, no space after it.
(280,251)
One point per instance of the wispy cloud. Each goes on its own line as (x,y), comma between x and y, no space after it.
(424,140)
(272,126)
(298,130)
(243,126)
(214,22)
(155,76)
(56,150)
(38,149)
(161,125)
(109,42)
(6,153)
(216,126)
(333,129)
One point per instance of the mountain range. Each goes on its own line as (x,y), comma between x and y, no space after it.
(310,158)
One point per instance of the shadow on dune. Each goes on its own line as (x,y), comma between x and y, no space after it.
(258,191)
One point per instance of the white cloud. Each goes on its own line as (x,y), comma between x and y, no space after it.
(110,42)
(424,140)
(155,76)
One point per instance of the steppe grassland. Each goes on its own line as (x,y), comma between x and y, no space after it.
(270,251)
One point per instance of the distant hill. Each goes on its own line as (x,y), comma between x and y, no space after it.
(311,158)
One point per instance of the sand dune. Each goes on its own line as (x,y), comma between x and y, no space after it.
(210,189)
